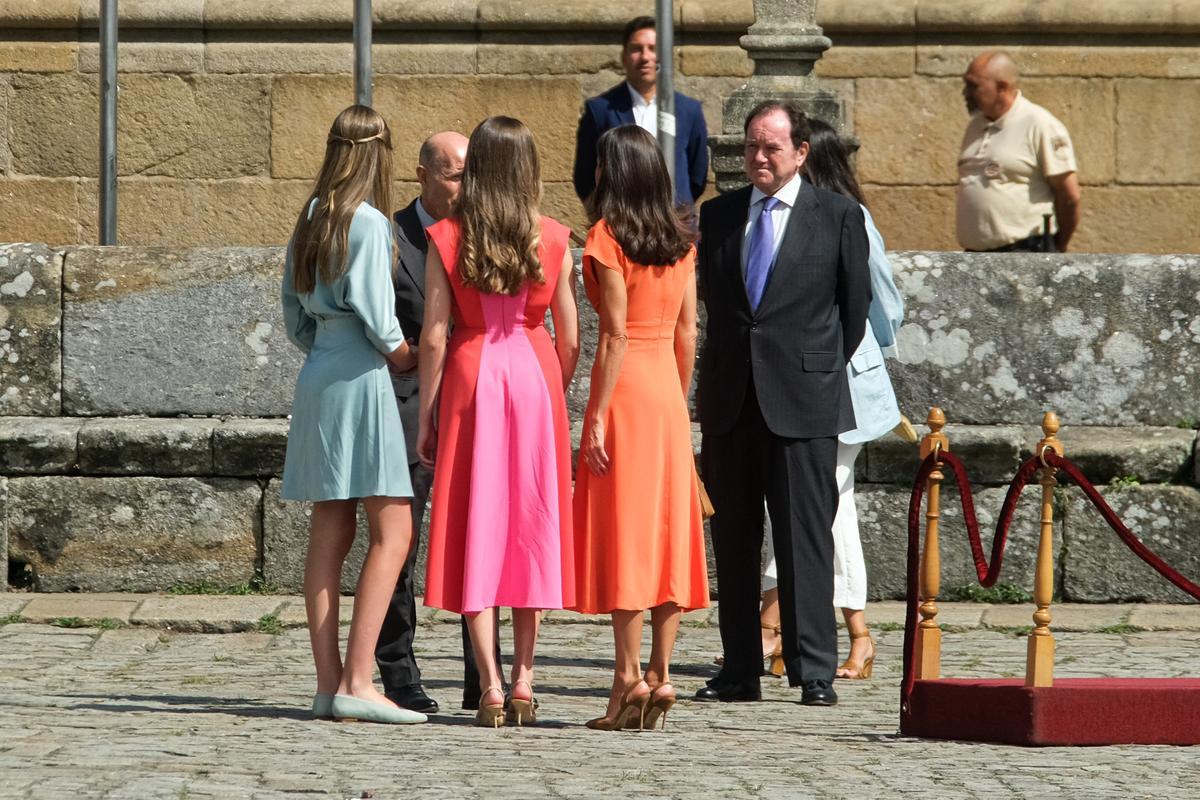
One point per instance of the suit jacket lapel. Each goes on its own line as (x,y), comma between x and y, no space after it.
(621,103)
(797,238)
(413,246)
(731,247)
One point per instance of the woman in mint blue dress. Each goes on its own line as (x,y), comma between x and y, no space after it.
(345,443)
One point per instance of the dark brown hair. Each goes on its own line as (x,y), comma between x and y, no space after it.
(357,169)
(633,26)
(634,196)
(498,208)
(828,163)
(795,115)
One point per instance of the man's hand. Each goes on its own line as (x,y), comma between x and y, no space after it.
(403,360)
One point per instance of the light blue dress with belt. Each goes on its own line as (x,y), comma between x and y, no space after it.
(345,439)
(874,400)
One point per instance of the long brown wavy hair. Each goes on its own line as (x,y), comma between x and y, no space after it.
(357,168)
(498,208)
(634,196)
(828,162)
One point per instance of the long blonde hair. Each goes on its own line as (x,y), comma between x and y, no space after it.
(357,168)
(498,208)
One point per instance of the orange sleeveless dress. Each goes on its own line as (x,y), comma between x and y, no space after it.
(639,531)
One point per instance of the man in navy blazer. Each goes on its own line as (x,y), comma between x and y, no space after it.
(633,103)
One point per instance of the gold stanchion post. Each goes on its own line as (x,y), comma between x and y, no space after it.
(929,635)
(1039,663)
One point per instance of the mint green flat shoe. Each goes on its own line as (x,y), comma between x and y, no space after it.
(322,706)
(350,709)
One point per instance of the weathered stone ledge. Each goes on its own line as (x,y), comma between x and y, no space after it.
(149,446)
(836,16)
(254,447)
(229,614)
(995,339)
(993,453)
(141,533)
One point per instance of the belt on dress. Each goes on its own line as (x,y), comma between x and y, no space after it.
(336,320)
(476,329)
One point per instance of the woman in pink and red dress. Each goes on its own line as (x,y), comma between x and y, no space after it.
(493,411)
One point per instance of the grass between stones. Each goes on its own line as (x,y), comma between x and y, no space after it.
(104,624)
(9,619)
(256,585)
(271,624)
(1011,630)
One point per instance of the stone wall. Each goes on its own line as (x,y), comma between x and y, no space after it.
(143,395)
(224,103)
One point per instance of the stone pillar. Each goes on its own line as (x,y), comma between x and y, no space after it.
(785,42)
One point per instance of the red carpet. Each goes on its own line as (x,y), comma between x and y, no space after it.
(1075,711)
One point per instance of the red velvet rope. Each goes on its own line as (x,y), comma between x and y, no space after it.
(1127,536)
(989,572)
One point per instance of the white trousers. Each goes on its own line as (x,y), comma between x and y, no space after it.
(849,568)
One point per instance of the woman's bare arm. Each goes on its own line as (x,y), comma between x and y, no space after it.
(435,331)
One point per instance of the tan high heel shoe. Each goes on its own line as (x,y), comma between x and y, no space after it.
(490,715)
(632,709)
(861,671)
(777,667)
(520,710)
(662,699)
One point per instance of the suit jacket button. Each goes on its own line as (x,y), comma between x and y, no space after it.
(754,326)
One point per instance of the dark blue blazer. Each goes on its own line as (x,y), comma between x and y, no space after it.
(615,108)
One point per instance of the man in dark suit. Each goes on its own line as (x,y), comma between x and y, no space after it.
(439,173)
(784,278)
(632,102)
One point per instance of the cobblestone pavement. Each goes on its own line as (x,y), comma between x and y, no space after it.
(143,712)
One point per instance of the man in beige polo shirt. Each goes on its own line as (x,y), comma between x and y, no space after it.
(1017,166)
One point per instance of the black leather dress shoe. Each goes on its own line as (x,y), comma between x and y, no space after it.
(818,693)
(413,698)
(729,693)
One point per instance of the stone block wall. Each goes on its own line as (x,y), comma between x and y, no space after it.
(144,394)
(224,103)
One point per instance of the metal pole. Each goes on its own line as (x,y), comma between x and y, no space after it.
(362,52)
(108,122)
(664,23)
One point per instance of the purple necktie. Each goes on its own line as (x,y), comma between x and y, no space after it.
(758,259)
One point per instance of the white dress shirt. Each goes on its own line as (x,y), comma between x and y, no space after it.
(423,215)
(780,215)
(645,113)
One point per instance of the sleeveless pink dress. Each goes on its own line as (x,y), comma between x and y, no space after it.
(500,518)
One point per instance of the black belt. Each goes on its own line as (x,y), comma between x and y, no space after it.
(1038,243)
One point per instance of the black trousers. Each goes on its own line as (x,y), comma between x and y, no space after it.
(798,479)
(394,651)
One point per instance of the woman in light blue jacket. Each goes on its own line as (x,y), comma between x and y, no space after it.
(875,411)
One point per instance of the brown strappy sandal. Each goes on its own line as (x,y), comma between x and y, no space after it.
(777,667)
(861,671)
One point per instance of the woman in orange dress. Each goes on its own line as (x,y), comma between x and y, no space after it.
(639,537)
